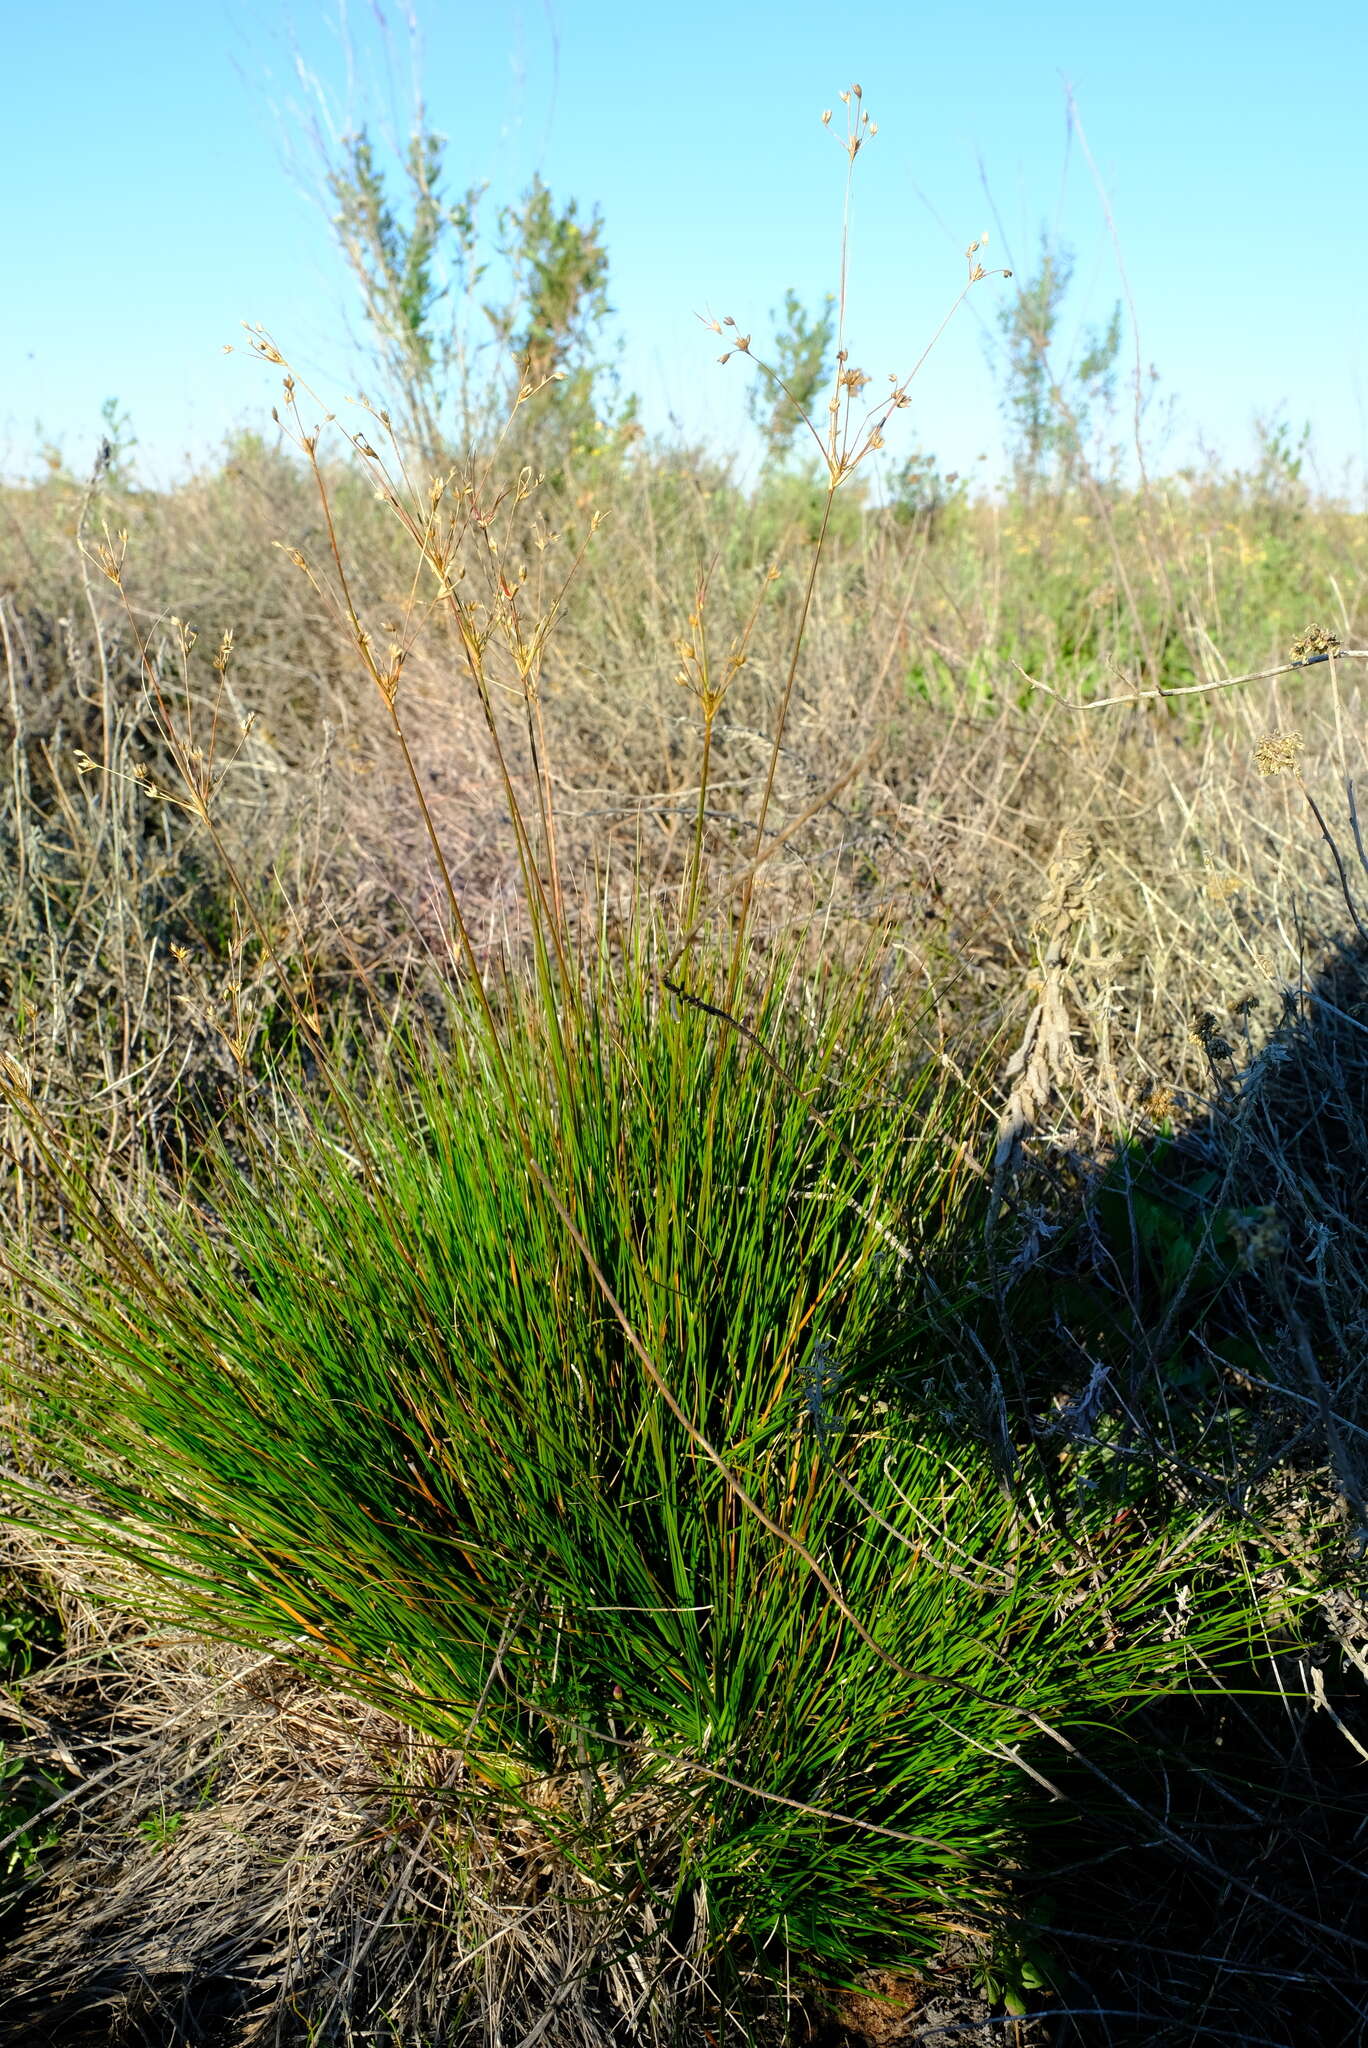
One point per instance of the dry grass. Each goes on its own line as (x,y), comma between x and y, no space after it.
(246,1859)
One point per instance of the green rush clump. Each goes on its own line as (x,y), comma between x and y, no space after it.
(576,1397)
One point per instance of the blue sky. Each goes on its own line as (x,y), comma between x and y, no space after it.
(159,176)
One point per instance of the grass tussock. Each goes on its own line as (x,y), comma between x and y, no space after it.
(608,1361)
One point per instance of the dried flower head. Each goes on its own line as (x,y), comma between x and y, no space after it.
(1279,752)
(14,1075)
(1206,1032)
(1315,642)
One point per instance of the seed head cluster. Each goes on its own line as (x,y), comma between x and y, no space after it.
(1315,642)
(1278,753)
